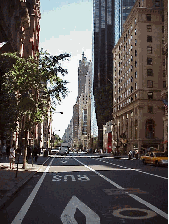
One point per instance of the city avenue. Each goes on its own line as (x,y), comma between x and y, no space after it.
(86,188)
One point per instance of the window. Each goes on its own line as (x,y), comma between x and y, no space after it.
(150,129)
(149,28)
(162,29)
(135,31)
(163,73)
(135,42)
(150,109)
(136,129)
(135,52)
(136,96)
(135,85)
(163,62)
(149,61)
(136,75)
(149,72)
(148,16)
(157,3)
(150,95)
(149,38)
(149,50)
(149,84)
(164,84)
(135,63)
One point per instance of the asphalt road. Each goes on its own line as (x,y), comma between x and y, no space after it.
(81,189)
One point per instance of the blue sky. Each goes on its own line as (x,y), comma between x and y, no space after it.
(66,26)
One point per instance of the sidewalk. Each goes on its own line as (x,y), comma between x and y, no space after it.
(9,183)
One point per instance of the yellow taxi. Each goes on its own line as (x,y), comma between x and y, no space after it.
(155,158)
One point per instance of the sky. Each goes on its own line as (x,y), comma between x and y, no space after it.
(66,27)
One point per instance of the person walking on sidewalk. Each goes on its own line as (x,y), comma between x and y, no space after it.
(12,157)
(8,151)
(4,151)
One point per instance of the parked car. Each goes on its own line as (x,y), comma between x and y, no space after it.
(155,158)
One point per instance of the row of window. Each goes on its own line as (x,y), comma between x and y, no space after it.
(149,18)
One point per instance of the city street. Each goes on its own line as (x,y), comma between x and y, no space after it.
(86,188)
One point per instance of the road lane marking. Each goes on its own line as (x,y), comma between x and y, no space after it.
(21,214)
(65,178)
(70,210)
(147,204)
(72,176)
(138,170)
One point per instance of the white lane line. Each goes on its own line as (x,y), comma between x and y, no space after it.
(21,214)
(147,204)
(165,178)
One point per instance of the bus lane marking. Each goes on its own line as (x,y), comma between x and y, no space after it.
(65,178)
(147,204)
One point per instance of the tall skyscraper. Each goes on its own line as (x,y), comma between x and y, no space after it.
(122,10)
(108,19)
(103,13)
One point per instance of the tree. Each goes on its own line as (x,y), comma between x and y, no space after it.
(34,83)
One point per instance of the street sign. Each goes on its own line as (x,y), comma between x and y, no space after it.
(70,210)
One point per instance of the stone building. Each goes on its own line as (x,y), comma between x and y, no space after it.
(19,32)
(75,124)
(138,79)
(84,102)
(164,93)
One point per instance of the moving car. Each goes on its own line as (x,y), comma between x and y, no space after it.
(155,158)
(54,151)
(63,151)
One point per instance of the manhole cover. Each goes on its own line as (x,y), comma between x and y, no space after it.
(133,213)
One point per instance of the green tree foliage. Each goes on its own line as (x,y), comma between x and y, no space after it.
(33,83)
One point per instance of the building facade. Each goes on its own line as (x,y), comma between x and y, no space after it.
(84,102)
(103,42)
(122,10)
(138,79)
(164,93)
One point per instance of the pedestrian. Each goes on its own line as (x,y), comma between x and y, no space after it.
(28,153)
(12,157)
(130,154)
(35,153)
(136,154)
(8,151)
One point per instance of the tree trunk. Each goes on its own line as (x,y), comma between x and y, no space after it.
(25,150)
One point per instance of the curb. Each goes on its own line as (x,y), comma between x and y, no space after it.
(15,189)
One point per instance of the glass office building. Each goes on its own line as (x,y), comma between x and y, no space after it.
(103,42)
(122,10)
(108,19)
